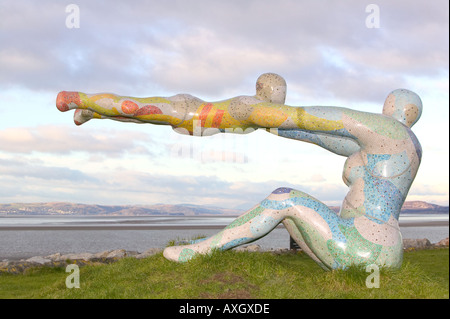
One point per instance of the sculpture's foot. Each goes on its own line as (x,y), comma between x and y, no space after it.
(184,253)
(82,116)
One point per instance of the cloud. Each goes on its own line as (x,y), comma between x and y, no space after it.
(427,190)
(28,179)
(24,169)
(124,186)
(317,178)
(215,48)
(65,140)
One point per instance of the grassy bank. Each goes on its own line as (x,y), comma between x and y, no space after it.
(230,274)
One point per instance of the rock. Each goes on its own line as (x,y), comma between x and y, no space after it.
(283,251)
(16,267)
(80,256)
(416,243)
(148,252)
(4,265)
(38,260)
(250,248)
(131,253)
(101,255)
(117,254)
(54,257)
(442,243)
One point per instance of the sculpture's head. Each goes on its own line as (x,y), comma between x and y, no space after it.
(403,105)
(271,87)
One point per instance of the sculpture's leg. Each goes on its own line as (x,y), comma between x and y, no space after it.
(309,222)
(333,242)
(248,227)
(296,234)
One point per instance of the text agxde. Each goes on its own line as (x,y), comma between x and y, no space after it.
(228,308)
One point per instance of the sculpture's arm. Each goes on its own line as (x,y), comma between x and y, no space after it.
(190,115)
(336,144)
(155,110)
(185,113)
(325,119)
(371,131)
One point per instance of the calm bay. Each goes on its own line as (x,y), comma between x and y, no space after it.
(27,236)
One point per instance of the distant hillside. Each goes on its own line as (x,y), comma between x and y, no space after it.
(61,208)
(423,207)
(415,207)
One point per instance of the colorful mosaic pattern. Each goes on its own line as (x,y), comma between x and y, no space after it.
(383,156)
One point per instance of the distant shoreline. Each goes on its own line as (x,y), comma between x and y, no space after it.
(174,227)
(67,208)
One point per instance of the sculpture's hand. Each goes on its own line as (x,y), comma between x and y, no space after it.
(66,101)
(155,110)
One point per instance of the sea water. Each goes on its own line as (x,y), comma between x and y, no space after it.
(27,236)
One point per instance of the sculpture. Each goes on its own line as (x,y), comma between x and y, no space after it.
(383,156)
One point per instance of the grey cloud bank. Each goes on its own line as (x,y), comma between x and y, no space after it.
(211,47)
(64,140)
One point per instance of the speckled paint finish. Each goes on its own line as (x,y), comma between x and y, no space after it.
(383,156)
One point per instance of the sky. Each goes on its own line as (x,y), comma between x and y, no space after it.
(348,53)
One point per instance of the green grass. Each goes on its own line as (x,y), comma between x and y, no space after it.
(230,274)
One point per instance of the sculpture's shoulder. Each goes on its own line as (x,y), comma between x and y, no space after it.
(369,126)
(184,97)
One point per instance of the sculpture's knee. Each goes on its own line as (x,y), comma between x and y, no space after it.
(282,190)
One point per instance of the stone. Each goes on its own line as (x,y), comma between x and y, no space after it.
(283,251)
(79,256)
(443,242)
(421,243)
(38,260)
(54,257)
(116,254)
(101,255)
(148,252)
(249,248)
(131,253)
(4,264)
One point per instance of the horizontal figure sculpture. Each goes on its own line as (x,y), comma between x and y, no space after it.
(383,156)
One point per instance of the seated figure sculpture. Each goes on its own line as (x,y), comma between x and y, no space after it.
(383,156)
